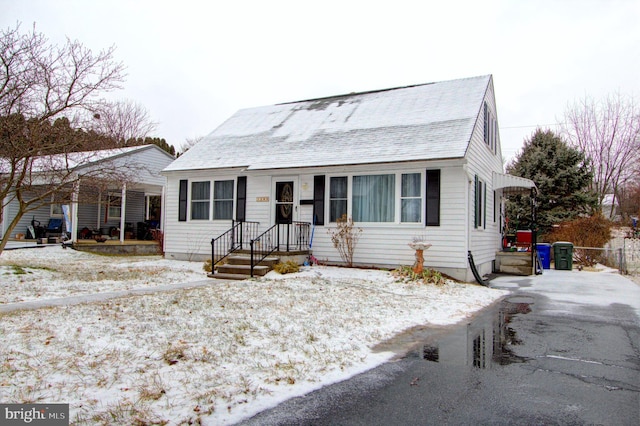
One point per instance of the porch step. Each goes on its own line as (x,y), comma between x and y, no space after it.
(246,260)
(514,263)
(238,267)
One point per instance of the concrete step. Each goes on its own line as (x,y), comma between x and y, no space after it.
(246,260)
(225,276)
(245,270)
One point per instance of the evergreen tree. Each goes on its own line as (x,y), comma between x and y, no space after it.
(562,176)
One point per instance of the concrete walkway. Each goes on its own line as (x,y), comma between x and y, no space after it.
(100,297)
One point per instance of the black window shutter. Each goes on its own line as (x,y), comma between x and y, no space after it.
(484,211)
(182,200)
(432,210)
(241,199)
(476,200)
(318,199)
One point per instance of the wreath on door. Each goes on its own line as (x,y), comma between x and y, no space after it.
(286,197)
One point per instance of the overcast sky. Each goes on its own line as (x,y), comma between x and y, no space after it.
(192,64)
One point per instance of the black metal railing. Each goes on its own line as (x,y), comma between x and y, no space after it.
(280,237)
(237,238)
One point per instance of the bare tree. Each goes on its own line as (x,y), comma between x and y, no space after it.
(189,143)
(40,85)
(608,132)
(121,121)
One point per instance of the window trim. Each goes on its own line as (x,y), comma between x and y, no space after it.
(479,203)
(207,200)
(52,209)
(215,200)
(186,200)
(419,197)
(331,200)
(110,196)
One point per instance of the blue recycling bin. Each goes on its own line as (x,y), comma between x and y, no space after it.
(544,250)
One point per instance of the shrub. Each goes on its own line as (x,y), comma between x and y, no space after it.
(427,276)
(287,267)
(208,266)
(593,231)
(345,238)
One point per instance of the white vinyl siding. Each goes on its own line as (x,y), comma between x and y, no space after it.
(384,244)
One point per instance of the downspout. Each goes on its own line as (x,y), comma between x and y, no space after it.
(162,209)
(467,198)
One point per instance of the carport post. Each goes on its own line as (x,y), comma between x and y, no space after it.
(74,211)
(123,209)
(534,227)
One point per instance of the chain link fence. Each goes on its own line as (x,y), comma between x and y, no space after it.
(621,253)
(584,257)
(631,251)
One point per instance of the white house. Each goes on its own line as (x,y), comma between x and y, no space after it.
(420,161)
(107,191)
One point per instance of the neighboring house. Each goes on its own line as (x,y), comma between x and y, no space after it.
(421,161)
(109,192)
(609,206)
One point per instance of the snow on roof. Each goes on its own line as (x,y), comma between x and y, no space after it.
(75,160)
(422,122)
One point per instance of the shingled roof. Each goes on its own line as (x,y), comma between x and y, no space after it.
(421,122)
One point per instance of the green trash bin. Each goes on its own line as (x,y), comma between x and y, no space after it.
(563,256)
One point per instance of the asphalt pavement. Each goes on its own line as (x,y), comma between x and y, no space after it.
(562,349)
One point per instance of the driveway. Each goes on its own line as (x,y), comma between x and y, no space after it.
(563,348)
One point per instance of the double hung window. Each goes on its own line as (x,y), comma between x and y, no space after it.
(411,198)
(223,199)
(201,201)
(114,206)
(337,198)
(200,197)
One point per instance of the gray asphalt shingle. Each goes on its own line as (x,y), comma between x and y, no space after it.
(422,122)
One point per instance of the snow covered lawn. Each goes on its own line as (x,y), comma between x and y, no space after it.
(216,354)
(50,271)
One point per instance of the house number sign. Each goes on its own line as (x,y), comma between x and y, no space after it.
(262,199)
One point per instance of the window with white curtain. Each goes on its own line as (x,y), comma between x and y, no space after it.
(200,197)
(411,198)
(223,199)
(373,198)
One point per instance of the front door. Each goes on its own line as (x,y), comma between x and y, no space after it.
(285,201)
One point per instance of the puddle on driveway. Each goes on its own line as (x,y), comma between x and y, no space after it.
(485,339)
